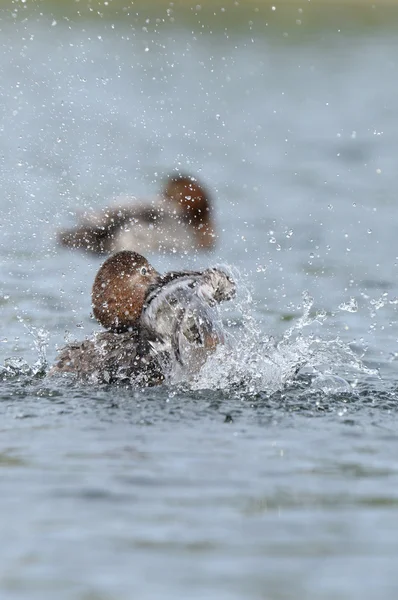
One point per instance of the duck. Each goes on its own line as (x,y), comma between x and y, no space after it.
(179,220)
(156,326)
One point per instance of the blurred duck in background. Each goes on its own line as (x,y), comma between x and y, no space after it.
(157,325)
(179,220)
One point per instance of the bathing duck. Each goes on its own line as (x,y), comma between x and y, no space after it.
(157,325)
(180,220)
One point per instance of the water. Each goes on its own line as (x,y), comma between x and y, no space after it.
(250,482)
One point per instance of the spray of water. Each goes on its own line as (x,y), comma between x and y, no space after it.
(18,366)
(250,361)
(256,363)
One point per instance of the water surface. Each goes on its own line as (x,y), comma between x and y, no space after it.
(247,482)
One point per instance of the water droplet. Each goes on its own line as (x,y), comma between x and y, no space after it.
(380,302)
(350,306)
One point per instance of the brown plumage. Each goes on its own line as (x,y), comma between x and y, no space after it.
(112,357)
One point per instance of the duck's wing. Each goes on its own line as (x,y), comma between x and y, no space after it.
(212,285)
(179,313)
(197,333)
(92,239)
(181,275)
(98,238)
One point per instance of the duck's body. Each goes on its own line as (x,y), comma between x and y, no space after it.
(111,357)
(178,221)
(157,324)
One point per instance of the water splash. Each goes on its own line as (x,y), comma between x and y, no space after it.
(16,366)
(350,306)
(255,363)
(251,362)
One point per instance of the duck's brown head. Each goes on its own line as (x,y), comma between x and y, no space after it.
(120,289)
(193,206)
